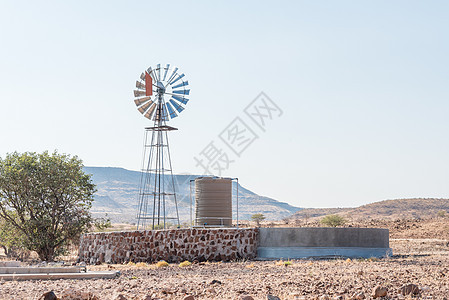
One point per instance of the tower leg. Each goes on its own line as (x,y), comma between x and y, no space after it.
(157,184)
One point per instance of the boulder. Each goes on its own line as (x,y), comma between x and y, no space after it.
(409,289)
(379,291)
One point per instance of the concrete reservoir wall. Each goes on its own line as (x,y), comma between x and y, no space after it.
(275,243)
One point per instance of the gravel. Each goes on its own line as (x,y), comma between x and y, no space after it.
(303,279)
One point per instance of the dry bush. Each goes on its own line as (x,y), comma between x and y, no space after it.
(141,265)
(185,264)
(162,264)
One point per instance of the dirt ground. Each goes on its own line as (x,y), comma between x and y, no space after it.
(424,262)
(420,257)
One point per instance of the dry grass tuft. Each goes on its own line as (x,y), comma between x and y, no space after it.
(284,263)
(141,265)
(185,264)
(162,264)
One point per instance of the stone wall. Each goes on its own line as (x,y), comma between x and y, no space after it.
(172,245)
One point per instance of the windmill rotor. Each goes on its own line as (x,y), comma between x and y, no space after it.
(161,92)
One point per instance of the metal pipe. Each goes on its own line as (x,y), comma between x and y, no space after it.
(191,203)
(237,202)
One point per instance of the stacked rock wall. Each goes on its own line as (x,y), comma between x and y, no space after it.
(172,245)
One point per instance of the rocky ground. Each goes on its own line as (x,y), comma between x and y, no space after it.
(418,262)
(421,258)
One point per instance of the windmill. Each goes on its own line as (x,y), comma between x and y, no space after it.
(160,95)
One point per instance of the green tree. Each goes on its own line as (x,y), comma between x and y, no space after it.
(333,220)
(11,239)
(103,223)
(47,198)
(258,218)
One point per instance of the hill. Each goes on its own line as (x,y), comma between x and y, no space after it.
(118,188)
(414,208)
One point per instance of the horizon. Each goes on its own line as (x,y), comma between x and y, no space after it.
(280,200)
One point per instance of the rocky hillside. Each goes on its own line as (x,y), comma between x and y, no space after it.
(118,190)
(387,209)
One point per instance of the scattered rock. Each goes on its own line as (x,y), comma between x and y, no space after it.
(379,291)
(189,297)
(294,296)
(49,296)
(167,292)
(324,297)
(215,281)
(72,294)
(246,297)
(358,296)
(271,297)
(409,289)
(120,297)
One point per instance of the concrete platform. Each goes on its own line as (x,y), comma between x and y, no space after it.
(321,242)
(9,263)
(35,270)
(55,276)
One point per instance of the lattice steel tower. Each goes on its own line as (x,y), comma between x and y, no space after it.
(157,192)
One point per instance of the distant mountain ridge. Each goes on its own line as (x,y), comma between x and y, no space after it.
(386,209)
(118,188)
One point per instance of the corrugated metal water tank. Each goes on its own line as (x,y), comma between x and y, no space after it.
(213,201)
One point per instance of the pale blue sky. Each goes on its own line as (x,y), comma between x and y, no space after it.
(363,86)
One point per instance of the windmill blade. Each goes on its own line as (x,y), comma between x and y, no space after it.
(142,76)
(141,101)
(149,113)
(140,85)
(166,71)
(138,93)
(144,107)
(158,72)
(173,74)
(148,85)
(164,113)
(176,105)
(182,92)
(179,77)
(184,83)
(181,99)
(171,111)
(152,74)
